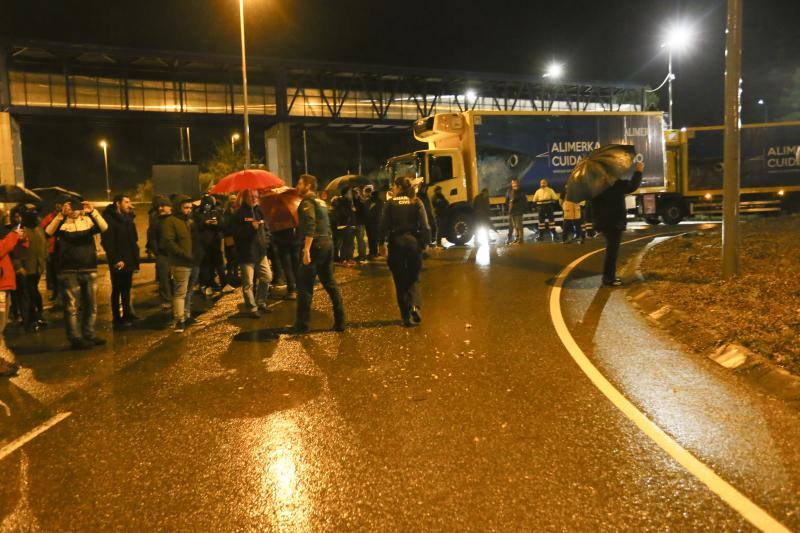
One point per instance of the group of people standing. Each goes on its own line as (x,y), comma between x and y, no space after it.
(577,216)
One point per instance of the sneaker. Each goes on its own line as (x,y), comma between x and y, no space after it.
(407,322)
(8,369)
(189,321)
(180,326)
(95,341)
(616,282)
(122,324)
(415,316)
(290,296)
(264,309)
(79,344)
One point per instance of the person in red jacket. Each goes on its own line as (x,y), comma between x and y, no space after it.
(8,282)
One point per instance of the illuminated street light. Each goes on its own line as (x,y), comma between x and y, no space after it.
(104,145)
(763,102)
(234,138)
(554,71)
(470,95)
(678,38)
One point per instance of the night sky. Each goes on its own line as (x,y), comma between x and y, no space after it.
(615,41)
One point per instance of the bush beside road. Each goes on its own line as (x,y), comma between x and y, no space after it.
(759,310)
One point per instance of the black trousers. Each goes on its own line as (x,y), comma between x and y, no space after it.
(29,299)
(613,239)
(289,259)
(405,262)
(231,266)
(441,230)
(213,267)
(373,228)
(121,285)
(321,267)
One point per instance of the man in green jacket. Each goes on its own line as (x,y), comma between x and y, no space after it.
(176,239)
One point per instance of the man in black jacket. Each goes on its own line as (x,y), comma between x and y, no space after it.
(121,243)
(155,247)
(440,208)
(611,218)
(517,203)
(74,229)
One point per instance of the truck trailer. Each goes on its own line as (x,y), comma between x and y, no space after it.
(770,173)
(475,150)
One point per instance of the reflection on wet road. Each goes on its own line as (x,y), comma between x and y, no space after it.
(479,419)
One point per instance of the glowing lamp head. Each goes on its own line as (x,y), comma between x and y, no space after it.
(103,144)
(678,37)
(760,101)
(235,136)
(781,192)
(707,196)
(471,94)
(554,70)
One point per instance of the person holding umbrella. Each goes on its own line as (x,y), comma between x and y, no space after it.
(314,230)
(611,219)
(405,226)
(251,238)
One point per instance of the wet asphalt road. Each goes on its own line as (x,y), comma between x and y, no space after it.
(479,419)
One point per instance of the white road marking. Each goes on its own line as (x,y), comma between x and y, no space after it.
(19,442)
(729,494)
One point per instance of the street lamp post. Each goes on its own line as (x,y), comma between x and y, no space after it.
(678,37)
(763,102)
(244,89)
(234,138)
(104,146)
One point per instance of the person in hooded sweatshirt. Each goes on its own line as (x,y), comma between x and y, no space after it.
(611,219)
(8,282)
(121,243)
(177,239)
(74,229)
(30,264)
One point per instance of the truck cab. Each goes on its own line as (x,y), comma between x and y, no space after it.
(440,166)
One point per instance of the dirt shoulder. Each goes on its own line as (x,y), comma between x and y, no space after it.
(759,310)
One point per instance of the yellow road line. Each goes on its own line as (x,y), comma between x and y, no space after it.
(17,443)
(738,501)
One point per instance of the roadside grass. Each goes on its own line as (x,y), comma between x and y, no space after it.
(759,310)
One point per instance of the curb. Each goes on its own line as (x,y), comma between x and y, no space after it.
(754,368)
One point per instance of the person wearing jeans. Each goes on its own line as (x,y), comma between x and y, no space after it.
(176,238)
(74,229)
(251,238)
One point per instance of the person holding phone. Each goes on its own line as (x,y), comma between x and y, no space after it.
(74,229)
(8,282)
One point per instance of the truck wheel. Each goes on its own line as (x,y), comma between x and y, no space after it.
(672,213)
(460,229)
(653,221)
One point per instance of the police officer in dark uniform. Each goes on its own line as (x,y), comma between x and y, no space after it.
(314,230)
(405,225)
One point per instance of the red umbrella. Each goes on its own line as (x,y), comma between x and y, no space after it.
(247,180)
(280,208)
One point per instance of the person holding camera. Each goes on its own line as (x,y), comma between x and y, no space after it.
(74,229)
